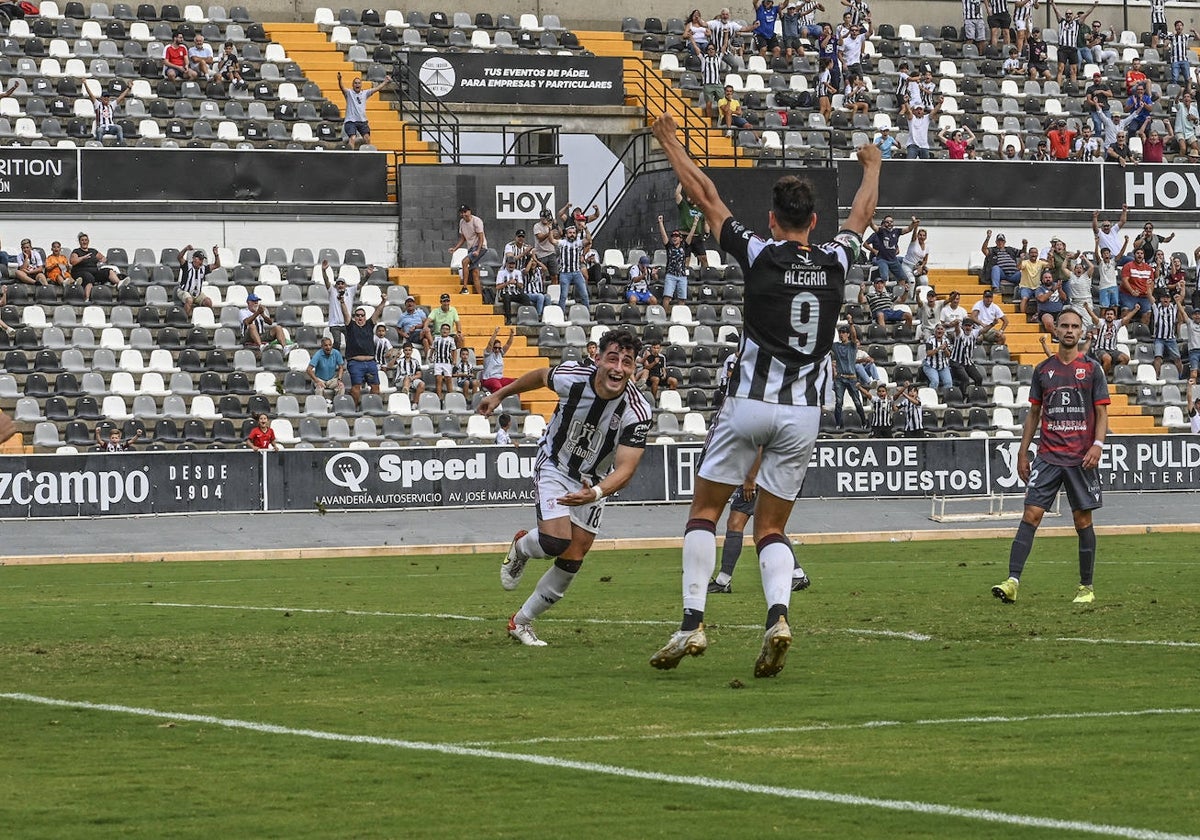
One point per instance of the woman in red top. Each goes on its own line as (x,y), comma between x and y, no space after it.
(262,436)
(955,144)
(1152,148)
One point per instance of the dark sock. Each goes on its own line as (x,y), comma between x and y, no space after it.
(1021,546)
(1087,554)
(731,551)
(692,619)
(774,613)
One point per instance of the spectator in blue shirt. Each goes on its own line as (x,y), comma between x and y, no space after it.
(886,143)
(764,34)
(326,368)
(884,245)
(413,324)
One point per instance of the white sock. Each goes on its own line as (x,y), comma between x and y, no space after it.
(548,592)
(530,546)
(723,578)
(776,562)
(699,560)
(798,572)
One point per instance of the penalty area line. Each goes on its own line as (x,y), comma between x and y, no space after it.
(705,782)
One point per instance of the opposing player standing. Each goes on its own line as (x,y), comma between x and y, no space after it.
(590,449)
(794,292)
(1069,401)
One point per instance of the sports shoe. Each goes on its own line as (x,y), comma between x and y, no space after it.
(719,588)
(523,633)
(513,566)
(1084,595)
(1006,591)
(682,643)
(800,583)
(776,642)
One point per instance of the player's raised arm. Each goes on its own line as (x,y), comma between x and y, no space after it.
(863,208)
(698,186)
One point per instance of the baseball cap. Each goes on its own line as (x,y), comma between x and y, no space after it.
(843,328)
(520,232)
(547,214)
(445,298)
(1162,292)
(252,297)
(644,260)
(988,293)
(462,208)
(340,280)
(1097,76)
(1000,237)
(410,297)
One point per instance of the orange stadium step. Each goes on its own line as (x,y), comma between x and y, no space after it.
(321,61)
(645,87)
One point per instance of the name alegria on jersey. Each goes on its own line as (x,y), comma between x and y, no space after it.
(802,275)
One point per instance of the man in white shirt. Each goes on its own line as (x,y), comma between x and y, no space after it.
(470,235)
(338,291)
(918,130)
(990,318)
(953,312)
(1107,234)
(200,57)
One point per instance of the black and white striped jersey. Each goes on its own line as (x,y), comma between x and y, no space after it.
(570,255)
(793,295)
(1164,321)
(585,431)
(445,348)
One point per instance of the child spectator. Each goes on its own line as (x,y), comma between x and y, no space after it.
(503,438)
(464,374)
(262,436)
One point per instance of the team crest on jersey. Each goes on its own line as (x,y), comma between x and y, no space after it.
(1081,373)
(615,422)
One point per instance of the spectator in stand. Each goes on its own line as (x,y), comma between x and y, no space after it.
(1152,145)
(963,370)
(534,273)
(1165,318)
(1061,139)
(1193,343)
(338,290)
(443,354)
(590,352)
(1187,127)
(1060,260)
(856,97)
(229,68)
(1158,22)
(470,234)
(1012,153)
(1139,107)
(510,289)
(722,31)
(929,314)
(1096,49)
(860,11)
(690,217)
(974,26)
(503,424)
(918,129)
(883,305)
(696,35)
(408,374)
(31,268)
(1039,52)
(570,261)
(653,370)
(789,29)
(990,318)
(827,50)
(464,374)
(1050,299)
(953,312)
(258,326)
(355,125)
(825,89)
(1137,280)
(765,39)
(175,60)
(1096,102)
(112,442)
(386,354)
(1079,289)
(1013,66)
(1069,38)
(546,234)
(1041,154)
(1000,260)
(1194,413)
(1104,346)
(884,246)
(58,267)
(1120,152)
(844,356)
(262,436)
(492,377)
(675,275)
(850,51)
(881,411)
(413,326)
(1020,21)
(1106,273)
(201,58)
(360,349)
(1174,279)
(908,403)
(568,216)
(1088,147)
(192,272)
(1134,76)
(956,145)
(1031,268)
(106,110)
(1148,242)
(640,276)
(888,147)
(519,249)
(916,259)
(999,20)
(325,369)
(729,113)
(444,314)
(1108,235)
(87,269)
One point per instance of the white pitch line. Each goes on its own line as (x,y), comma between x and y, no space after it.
(1161,643)
(838,727)
(909,806)
(624,622)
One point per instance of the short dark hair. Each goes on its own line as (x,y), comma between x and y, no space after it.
(505,420)
(793,202)
(1068,310)
(623,339)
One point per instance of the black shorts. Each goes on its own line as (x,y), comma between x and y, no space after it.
(1159,29)
(699,246)
(765,43)
(740,503)
(1068,55)
(1045,479)
(1000,21)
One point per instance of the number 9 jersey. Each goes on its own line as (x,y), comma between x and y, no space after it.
(793,297)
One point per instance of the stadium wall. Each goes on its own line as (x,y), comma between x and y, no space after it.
(146,483)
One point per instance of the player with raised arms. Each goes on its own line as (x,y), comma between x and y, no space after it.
(794,293)
(1069,402)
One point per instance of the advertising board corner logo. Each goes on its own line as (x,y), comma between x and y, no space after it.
(437,74)
(347,469)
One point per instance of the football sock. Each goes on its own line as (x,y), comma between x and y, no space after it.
(548,592)
(729,555)
(797,570)
(774,614)
(1022,544)
(529,546)
(699,557)
(775,561)
(1087,554)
